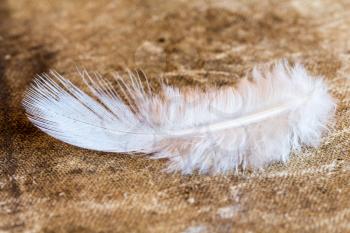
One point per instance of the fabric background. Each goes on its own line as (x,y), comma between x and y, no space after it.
(48,186)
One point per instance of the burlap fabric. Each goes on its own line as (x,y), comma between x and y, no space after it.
(48,186)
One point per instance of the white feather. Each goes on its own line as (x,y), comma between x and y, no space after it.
(216,131)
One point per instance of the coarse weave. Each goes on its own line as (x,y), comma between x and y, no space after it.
(49,186)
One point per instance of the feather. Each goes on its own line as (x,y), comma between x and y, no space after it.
(220,130)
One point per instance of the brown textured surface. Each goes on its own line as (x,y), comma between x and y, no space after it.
(48,186)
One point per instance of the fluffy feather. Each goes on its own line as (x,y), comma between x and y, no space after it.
(216,131)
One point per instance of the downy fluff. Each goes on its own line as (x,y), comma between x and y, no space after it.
(214,131)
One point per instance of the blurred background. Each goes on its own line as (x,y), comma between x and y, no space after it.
(48,186)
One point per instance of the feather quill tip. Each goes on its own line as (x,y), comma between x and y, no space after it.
(259,122)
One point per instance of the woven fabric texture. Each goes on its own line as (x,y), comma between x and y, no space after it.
(49,186)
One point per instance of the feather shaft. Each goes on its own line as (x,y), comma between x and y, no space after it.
(238,122)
